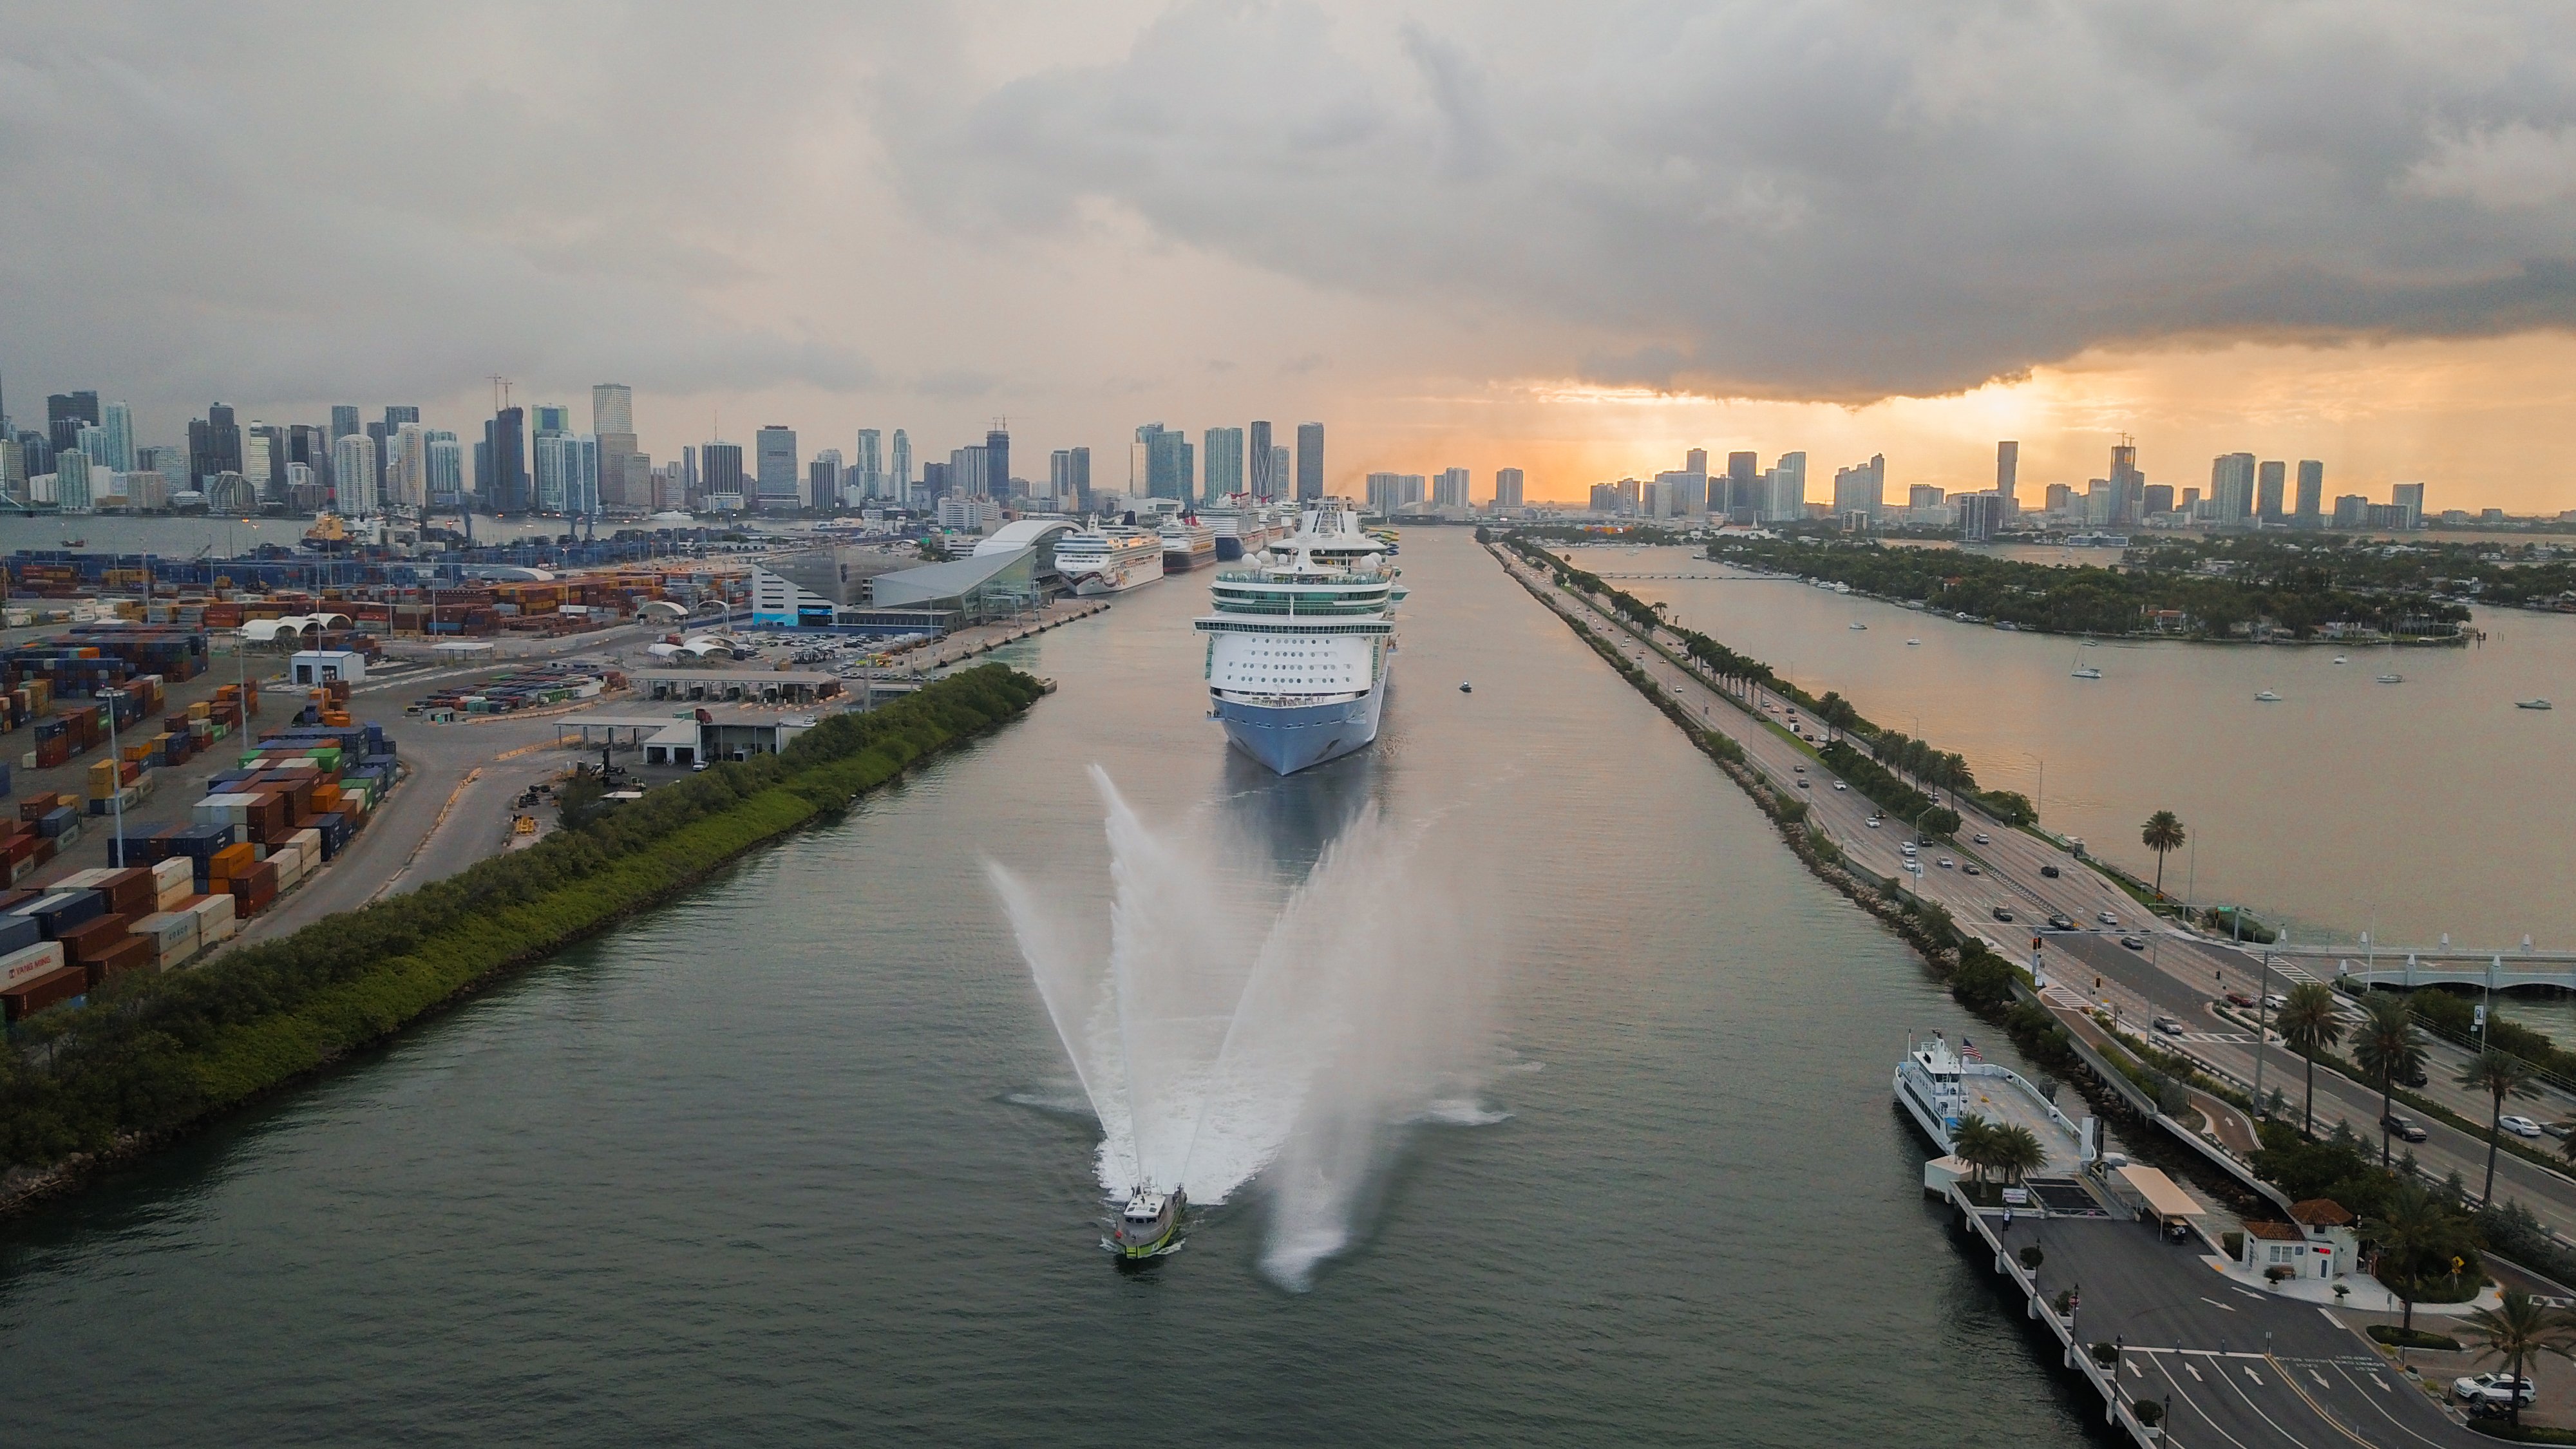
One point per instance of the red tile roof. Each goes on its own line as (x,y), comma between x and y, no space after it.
(2321,1212)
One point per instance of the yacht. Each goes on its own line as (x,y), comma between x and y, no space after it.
(1302,640)
(2088,672)
(1109,559)
(2392,679)
(1187,544)
(1911,643)
(2267,697)
(2533,704)
(2340,659)
(1857,624)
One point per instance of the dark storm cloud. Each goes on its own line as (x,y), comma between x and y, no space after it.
(1827,200)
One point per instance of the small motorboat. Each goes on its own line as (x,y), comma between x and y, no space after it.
(1150,1225)
(2088,672)
(2392,679)
(1466,688)
(2533,704)
(2339,659)
(1857,624)
(2267,697)
(1910,643)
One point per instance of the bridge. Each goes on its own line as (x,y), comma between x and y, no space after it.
(2494,970)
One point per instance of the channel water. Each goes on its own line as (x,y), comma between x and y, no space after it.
(1577,1124)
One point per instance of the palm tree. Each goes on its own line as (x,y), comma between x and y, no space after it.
(2017,1150)
(2309,1024)
(2499,1074)
(1974,1144)
(2387,1048)
(2163,835)
(2410,1225)
(2516,1330)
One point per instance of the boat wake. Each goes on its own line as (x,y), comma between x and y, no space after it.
(1234,1027)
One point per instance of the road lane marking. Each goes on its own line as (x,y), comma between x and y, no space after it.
(2382,1409)
(2194,1370)
(2221,1307)
(2195,1406)
(2249,1373)
(2320,1378)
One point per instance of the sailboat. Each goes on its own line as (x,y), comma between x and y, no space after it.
(2083,670)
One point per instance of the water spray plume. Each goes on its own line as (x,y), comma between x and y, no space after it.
(1238,1027)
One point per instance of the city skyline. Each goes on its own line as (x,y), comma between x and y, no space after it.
(982,157)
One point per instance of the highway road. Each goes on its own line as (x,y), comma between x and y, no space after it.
(2181,974)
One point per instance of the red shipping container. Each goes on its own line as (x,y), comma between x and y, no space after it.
(24,1001)
(134,953)
(91,939)
(129,892)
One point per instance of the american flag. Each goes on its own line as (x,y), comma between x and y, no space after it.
(1968,1051)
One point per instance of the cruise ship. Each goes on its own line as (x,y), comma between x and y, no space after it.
(1187,544)
(1302,642)
(1110,559)
(1243,525)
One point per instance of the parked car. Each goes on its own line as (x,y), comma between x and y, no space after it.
(2403,1128)
(2134,943)
(2060,921)
(1981,838)
(2170,1026)
(2499,1390)
(2003,913)
(2049,871)
(2518,1126)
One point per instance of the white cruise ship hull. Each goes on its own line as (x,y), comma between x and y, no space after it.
(1289,737)
(1118,578)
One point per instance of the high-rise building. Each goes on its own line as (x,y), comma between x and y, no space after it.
(970,472)
(2160,499)
(1385,492)
(556,457)
(2310,512)
(1696,461)
(264,460)
(168,461)
(92,442)
(720,468)
(2061,497)
(406,475)
(1224,462)
(777,476)
(997,464)
(2231,489)
(2268,486)
(1861,488)
(501,485)
(1925,496)
(1310,461)
(823,479)
(1262,483)
(901,467)
(214,445)
(353,470)
(1788,502)
(1507,486)
(2408,498)
(2008,476)
(442,468)
(13,467)
(72,481)
(867,467)
(344,421)
(1140,460)
(1979,515)
(1282,472)
(1451,489)
(2352,510)
(612,422)
(1171,464)
(116,421)
(66,413)
(544,418)
(1679,493)
(1743,502)
(612,408)
(2128,486)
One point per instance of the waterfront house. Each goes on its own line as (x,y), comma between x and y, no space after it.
(2329,1225)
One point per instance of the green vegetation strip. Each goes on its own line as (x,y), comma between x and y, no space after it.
(165,1051)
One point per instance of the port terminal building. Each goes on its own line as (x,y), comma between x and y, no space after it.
(819,591)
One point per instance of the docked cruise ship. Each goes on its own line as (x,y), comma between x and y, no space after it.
(1187,544)
(1243,524)
(1109,559)
(1302,642)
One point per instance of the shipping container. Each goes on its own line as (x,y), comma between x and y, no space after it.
(61,911)
(66,986)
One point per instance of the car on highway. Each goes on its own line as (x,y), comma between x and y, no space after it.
(2494,1390)
(1947,862)
(1806,784)
(2518,1126)
(2276,1001)
(2049,871)
(1873,822)
(2240,998)
(2058,920)
(2134,943)
(1801,769)
(2003,913)
(2169,1025)
(1970,869)
(1839,785)
(2403,1128)
(1982,840)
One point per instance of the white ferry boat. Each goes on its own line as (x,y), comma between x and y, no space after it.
(1187,544)
(1301,644)
(1941,1088)
(1110,559)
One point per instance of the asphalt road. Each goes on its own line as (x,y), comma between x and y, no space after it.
(2179,975)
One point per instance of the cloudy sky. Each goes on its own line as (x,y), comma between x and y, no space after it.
(1577,239)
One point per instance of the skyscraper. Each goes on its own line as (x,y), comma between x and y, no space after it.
(1507,486)
(970,472)
(901,468)
(1451,489)
(65,415)
(997,463)
(868,466)
(1261,482)
(1281,471)
(823,479)
(1171,464)
(1310,461)
(503,486)
(263,461)
(2409,500)
(353,470)
(1140,460)
(344,421)
(2231,489)
(1788,489)
(2128,485)
(116,420)
(1861,488)
(544,418)
(720,468)
(214,445)
(1224,462)
(93,444)
(1741,500)
(2267,492)
(612,422)
(2008,476)
(612,408)
(2312,495)
(775,461)
(442,467)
